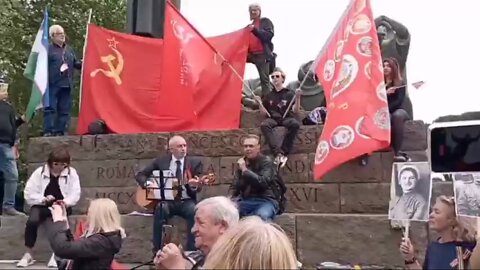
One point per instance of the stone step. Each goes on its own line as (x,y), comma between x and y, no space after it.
(208,143)
(316,237)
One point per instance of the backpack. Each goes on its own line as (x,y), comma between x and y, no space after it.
(97,127)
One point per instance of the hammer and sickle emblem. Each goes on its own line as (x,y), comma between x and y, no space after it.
(181,33)
(114,71)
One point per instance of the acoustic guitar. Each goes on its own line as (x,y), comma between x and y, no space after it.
(142,195)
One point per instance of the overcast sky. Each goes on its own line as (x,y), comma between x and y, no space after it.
(441,52)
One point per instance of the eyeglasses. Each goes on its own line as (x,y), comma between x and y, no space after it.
(59,34)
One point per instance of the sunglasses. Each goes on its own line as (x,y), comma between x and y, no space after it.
(275,76)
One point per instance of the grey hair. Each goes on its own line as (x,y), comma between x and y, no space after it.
(174,139)
(223,209)
(53,29)
(255,5)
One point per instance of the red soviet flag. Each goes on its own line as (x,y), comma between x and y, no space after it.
(122,84)
(350,69)
(217,88)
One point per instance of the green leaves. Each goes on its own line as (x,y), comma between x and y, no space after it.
(19,23)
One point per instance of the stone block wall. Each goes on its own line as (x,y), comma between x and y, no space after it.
(328,220)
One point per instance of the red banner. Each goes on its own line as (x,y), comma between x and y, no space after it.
(217,89)
(351,71)
(119,85)
(131,94)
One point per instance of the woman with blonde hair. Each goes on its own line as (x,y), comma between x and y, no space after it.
(252,244)
(453,248)
(102,240)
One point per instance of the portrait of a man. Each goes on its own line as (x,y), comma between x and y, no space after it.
(410,191)
(467,194)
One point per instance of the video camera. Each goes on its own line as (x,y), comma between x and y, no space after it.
(454,146)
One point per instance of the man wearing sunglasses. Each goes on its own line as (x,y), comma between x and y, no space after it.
(277,105)
(9,123)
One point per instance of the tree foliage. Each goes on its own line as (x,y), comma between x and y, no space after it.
(21,19)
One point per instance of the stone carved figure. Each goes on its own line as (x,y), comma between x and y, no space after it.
(247,98)
(394,39)
(313,95)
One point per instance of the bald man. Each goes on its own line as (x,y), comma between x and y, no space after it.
(188,171)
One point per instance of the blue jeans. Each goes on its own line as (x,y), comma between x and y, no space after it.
(164,211)
(56,117)
(8,168)
(265,208)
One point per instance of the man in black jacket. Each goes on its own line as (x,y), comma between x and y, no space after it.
(8,163)
(254,185)
(260,50)
(187,170)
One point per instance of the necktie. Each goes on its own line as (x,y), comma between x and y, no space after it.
(178,172)
(179,176)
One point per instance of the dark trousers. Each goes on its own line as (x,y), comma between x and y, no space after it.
(291,124)
(398,119)
(265,208)
(166,210)
(57,115)
(38,215)
(263,67)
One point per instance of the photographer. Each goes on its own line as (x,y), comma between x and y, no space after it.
(54,182)
(98,246)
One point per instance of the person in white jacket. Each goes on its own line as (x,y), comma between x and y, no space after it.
(55,181)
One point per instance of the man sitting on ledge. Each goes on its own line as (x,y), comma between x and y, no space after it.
(187,170)
(276,104)
(254,185)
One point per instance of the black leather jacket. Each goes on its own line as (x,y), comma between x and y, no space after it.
(257,181)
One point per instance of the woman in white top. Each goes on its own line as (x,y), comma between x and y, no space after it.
(52,182)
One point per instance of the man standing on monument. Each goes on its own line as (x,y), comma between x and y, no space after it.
(61,63)
(260,50)
(187,171)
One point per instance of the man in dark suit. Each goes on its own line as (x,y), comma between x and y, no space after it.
(187,170)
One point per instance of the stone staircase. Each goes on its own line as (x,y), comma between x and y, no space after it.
(341,218)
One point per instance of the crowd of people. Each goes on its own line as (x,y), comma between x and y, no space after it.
(235,231)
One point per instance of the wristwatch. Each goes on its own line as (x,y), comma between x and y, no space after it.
(412,261)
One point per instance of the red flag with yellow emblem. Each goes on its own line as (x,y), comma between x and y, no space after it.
(351,72)
(122,81)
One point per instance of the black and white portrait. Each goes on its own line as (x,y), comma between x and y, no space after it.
(467,194)
(410,191)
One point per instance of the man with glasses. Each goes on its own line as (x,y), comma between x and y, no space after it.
(255,186)
(9,123)
(260,49)
(277,105)
(61,63)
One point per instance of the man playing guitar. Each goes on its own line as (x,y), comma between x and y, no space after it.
(187,171)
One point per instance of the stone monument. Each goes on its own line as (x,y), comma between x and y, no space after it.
(312,92)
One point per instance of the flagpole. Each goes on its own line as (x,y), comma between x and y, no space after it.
(315,63)
(83,59)
(218,53)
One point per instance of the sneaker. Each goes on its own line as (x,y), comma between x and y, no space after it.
(52,263)
(26,260)
(48,134)
(10,211)
(283,161)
